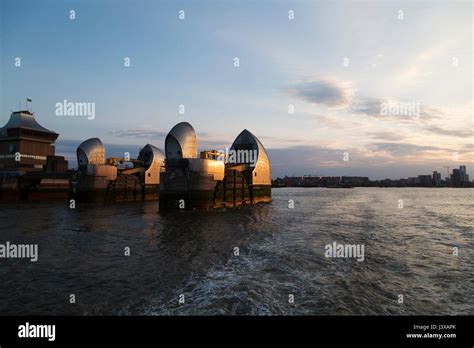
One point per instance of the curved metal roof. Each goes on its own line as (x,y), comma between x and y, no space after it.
(246,138)
(181,142)
(261,173)
(151,153)
(91,151)
(25,119)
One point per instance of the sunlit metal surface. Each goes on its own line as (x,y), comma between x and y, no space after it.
(181,142)
(208,166)
(261,173)
(153,159)
(91,151)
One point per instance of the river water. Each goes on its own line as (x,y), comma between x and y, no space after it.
(281,252)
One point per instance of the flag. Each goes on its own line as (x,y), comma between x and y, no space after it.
(28,100)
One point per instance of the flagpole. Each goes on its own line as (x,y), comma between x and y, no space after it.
(26,104)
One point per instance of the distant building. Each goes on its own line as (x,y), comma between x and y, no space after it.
(329,181)
(464,175)
(25,145)
(388,183)
(436,178)
(456,178)
(459,177)
(403,182)
(424,180)
(355,180)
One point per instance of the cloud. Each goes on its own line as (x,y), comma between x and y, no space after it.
(431,113)
(311,158)
(412,74)
(467,147)
(371,107)
(205,144)
(138,133)
(368,106)
(325,91)
(417,70)
(404,149)
(281,139)
(67,148)
(386,135)
(459,133)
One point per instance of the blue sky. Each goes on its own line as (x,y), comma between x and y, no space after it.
(424,58)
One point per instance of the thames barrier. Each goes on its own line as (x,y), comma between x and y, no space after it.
(179,177)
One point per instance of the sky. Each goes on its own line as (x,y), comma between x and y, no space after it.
(312,87)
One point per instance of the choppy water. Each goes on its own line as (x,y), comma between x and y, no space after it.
(407,251)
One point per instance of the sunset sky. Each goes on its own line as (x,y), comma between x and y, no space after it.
(425,57)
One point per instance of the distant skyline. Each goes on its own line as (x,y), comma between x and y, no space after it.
(336,64)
